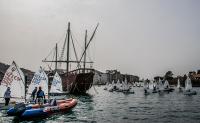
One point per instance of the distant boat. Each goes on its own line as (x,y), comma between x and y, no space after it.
(112,86)
(154,88)
(151,84)
(166,84)
(118,85)
(106,86)
(145,85)
(167,87)
(160,86)
(13,78)
(40,79)
(188,87)
(126,86)
(178,84)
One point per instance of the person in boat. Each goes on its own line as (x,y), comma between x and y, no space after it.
(7,96)
(33,93)
(40,96)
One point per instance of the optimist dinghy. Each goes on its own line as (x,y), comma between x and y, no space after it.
(188,87)
(13,78)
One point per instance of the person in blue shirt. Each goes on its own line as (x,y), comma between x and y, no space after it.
(7,96)
(40,96)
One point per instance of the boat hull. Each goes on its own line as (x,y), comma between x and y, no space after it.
(13,111)
(190,93)
(77,83)
(34,113)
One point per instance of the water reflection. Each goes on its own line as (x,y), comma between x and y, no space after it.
(118,107)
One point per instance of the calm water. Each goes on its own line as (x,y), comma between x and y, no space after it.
(102,106)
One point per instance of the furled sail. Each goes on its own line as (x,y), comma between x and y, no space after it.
(56,86)
(40,79)
(13,78)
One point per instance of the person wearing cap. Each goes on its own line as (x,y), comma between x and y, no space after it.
(7,96)
(40,96)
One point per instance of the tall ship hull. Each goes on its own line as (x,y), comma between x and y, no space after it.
(77,82)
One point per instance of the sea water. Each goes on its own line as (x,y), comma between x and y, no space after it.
(101,106)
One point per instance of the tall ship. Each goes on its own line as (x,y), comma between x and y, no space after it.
(79,79)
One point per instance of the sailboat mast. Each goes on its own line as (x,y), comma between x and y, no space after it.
(68,41)
(85,52)
(56,65)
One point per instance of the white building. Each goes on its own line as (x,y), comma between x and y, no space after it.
(100,78)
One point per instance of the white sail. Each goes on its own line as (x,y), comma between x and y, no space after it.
(178,83)
(118,84)
(145,85)
(154,85)
(39,79)
(166,84)
(188,84)
(126,87)
(151,85)
(13,78)
(56,86)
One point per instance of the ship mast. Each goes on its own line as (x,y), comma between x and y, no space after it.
(85,52)
(67,61)
(89,42)
(56,65)
(68,41)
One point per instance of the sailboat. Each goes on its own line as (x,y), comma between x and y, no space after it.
(125,86)
(13,78)
(56,86)
(118,86)
(167,87)
(188,87)
(106,86)
(160,86)
(79,80)
(111,88)
(179,86)
(146,87)
(40,79)
(154,88)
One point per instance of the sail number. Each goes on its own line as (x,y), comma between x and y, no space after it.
(9,77)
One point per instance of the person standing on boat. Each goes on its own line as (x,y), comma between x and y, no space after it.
(33,93)
(7,96)
(40,96)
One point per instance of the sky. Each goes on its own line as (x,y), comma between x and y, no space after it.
(140,37)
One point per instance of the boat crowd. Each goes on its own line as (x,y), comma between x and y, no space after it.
(36,102)
(160,86)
